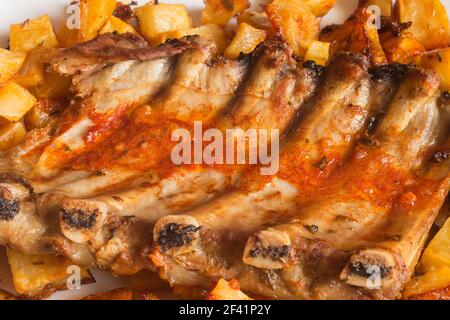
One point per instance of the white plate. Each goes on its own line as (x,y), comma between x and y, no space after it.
(18,11)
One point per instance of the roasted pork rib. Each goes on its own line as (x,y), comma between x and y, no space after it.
(354,230)
(353,200)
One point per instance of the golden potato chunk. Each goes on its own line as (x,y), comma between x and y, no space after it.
(320,7)
(431,281)
(94,14)
(429,19)
(32,71)
(221,11)
(11,135)
(227,290)
(296,23)
(245,41)
(41,275)
(15,101)
(257,20)
(157,20)
(358,34)
(4,295)
(439,62)
(68,37)
(10,63)
(437,254)
(209,31)
(32,33)
(402,49)
(386,6)
(319,52)
(114,24)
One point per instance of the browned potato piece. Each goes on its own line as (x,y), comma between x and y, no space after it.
(429,19)
(4,295)
(227,290)
(401,49)
(358,35)
(439,62)
(39,276)
(157,21)
(319,52)
(386,6)
(68,37)
(245,41)
(11,135)
(32,72)
(32,33)
(296,23)
(10,63)
(431,281)
(257,20)
(209,31)
(15,101)
(94,14)
(114,24)
(221,11)
(320,7)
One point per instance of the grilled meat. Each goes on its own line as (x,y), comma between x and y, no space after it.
(329,235)
(354,198)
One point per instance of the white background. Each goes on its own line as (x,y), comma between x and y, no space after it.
(17,11)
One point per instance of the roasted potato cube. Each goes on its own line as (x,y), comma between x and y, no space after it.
(227,290)
(68,37)
(319,52)
(210,31)
(402,49)
(41,275)
(15,101)
(429,19)
(54,86)
(376,53)
(221,11)
(386,6)
(114,24)
(437,254)
(32,72)
(435,280)
(156,20)
(439,62)
(296,23)
(320,7)
(11,135)
(10,63)
(245,41)
(358,34)
(257,20)
(94,14)
(32,33)
(4,295)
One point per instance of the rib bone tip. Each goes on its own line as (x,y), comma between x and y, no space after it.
(269,249)
(373,269)
(177,234)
